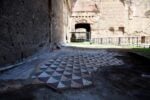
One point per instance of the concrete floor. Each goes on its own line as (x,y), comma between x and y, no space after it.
(111,82)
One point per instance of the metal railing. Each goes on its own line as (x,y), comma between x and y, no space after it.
(143,41)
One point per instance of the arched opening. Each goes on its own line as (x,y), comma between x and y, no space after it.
(82,32)
(85,26)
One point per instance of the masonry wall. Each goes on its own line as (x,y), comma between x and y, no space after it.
(24,28)
(112,15)
(57,21)
(116,18)
(139,22)
(27,26)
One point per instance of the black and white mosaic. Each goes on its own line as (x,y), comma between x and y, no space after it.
(73,71)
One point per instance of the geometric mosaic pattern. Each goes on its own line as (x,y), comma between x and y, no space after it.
(72,71)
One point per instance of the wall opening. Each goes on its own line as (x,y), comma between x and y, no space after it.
(82,32)
(122,29)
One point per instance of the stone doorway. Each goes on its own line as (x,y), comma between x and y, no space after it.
(82,32)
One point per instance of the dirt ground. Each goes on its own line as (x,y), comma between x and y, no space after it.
(111,83)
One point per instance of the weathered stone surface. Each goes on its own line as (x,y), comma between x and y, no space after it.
(112,18)
(27,26)
(24,28)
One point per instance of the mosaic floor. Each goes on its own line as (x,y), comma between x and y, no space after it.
(73,71)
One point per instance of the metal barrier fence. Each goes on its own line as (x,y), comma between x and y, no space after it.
(143,41)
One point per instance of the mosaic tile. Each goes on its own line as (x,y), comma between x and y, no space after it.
(52,80)
(67,73)
(61,85)
(86,82)
(43,79)
(44,74)
(53,66)
(74,77)
(72,71)
(50,70)
(53,85)
(67,83)
(45,66)
(56,74)
(64,78)
(75,85)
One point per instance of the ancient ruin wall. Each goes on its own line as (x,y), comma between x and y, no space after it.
(57,21)
(24,28)
(27,26)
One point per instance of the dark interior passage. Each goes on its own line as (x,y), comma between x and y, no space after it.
(84,26)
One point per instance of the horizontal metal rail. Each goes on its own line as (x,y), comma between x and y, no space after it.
(143,41)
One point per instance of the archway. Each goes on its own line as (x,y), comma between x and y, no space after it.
(86,33)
